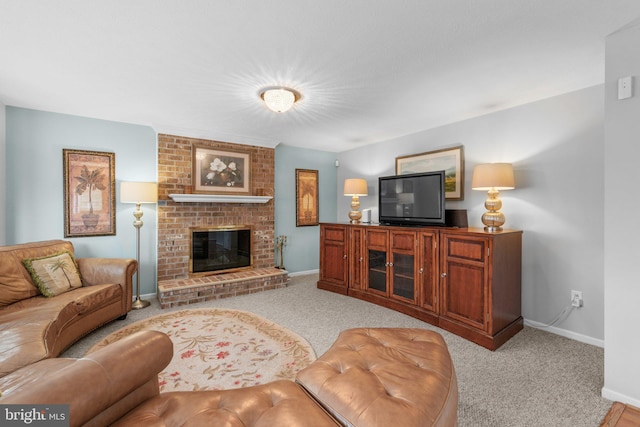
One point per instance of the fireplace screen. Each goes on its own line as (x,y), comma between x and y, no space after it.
(217,250)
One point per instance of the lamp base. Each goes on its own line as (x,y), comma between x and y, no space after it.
(354,213)
(354,217)
(138,304)
(493,219)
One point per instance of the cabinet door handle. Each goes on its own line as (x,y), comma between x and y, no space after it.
(361,259)
(444,275)
(344,256)
(390,264)
(421,270)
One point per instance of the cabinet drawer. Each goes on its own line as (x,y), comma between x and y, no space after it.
(335,234)
(472,250)
(403,241)
(377,238)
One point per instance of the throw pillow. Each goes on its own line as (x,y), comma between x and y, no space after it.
(54,274)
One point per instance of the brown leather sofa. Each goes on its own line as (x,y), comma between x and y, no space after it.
(369,377)
(34,327)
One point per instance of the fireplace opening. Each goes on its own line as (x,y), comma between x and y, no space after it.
(220,249)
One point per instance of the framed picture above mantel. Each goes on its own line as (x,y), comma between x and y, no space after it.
(220,171)
(451,160)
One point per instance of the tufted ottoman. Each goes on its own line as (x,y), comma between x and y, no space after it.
(369,377)
(385,377)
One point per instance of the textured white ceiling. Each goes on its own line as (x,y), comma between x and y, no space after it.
(368,70)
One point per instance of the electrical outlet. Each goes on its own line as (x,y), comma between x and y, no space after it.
(576,298)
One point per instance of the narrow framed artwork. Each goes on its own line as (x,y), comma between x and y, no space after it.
(306,197)
(451,160)
(89,193)
(220,172)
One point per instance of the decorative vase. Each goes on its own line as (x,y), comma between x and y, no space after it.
(90,220)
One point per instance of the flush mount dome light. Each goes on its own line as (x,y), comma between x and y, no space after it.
(279,99)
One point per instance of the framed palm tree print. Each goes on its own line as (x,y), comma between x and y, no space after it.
(89,193)
(306,197)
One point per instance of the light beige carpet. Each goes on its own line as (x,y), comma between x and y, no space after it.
(216,349)
(537,379)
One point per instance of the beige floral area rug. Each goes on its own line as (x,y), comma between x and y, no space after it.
(215,349)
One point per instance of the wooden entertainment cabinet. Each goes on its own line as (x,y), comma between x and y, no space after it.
(463,280)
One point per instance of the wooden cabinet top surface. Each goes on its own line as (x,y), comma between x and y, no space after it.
(470,230)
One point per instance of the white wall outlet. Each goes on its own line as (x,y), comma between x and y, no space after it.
(576,298)
(625,87)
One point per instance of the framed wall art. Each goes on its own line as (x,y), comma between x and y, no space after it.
(451,160)
(306,197)
(220,172)
(89,193)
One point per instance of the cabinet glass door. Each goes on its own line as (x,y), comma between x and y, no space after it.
(403,280)
(378,270)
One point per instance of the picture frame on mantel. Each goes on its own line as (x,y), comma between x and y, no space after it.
(218,171)
(451,160)
(306,197)
(89,193)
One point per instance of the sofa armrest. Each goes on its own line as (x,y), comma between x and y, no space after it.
(96,383)
(100,271)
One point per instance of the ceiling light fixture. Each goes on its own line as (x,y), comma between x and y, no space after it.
(279,99)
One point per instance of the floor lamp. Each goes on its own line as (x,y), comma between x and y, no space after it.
(138,192)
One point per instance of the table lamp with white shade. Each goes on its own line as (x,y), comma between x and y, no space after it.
(355,187)
(493,177)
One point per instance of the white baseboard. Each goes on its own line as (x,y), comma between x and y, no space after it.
(565,333)
(619,397)
(303,273)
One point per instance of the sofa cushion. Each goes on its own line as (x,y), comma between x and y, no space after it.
(15,281)
(54,274)
(30,328)
(108,378)
(23,335)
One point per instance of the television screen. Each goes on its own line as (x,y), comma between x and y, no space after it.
(417,198)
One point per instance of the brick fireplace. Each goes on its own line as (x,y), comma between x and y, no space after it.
(176,219)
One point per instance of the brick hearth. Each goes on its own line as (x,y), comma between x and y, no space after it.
(179,292)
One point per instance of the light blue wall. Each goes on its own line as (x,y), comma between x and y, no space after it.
(302,250)
(34,182)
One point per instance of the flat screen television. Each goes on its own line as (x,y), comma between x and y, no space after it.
(412,199)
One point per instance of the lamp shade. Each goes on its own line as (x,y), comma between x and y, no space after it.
(498,176)
(138,192)
(355,187)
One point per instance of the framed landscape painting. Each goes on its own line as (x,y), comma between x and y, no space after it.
(220,172)
(89,193)
(306,197)
(451,160)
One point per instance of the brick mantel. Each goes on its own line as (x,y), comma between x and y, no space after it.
(175,219)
